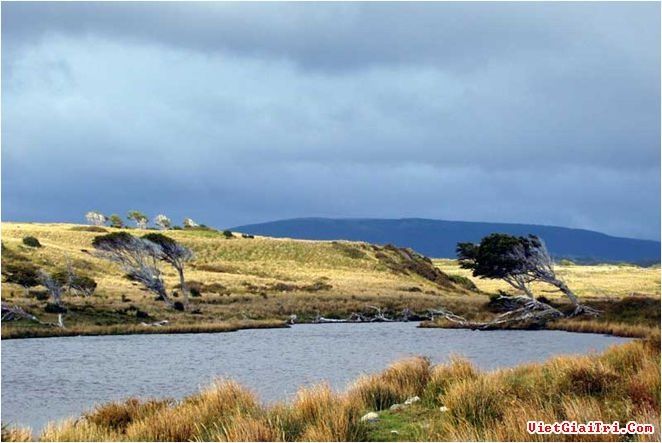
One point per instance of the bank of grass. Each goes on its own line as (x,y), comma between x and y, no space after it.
(30,330)
(239,278)
(621,384)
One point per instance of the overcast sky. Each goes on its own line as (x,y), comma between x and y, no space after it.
(239,113)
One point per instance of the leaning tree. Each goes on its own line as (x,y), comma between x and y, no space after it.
(96,218)
(139,218)
(140,257)
(175,255)
(518,261)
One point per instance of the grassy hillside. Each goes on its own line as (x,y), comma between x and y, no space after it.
(239,278)
(261,281)
(438,238)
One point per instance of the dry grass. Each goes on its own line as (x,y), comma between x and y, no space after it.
(24,331)
(620,384)
(260,278)
(587,281)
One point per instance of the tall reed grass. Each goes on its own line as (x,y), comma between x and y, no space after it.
(622,384)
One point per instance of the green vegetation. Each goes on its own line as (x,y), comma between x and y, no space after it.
(32,242)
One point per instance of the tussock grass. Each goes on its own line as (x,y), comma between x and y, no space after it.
(14,433)
(621,384)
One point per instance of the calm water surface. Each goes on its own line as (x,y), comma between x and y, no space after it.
(51,378)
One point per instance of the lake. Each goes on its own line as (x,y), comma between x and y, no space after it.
(52,378)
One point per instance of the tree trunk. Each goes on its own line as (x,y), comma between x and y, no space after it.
(566,290)
(184,287)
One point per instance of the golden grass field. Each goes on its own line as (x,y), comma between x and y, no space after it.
(588,281)
(245,280)
(621,384)
(241,279)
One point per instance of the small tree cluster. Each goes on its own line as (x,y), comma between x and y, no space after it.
(116,221)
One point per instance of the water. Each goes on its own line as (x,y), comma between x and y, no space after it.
(52,378)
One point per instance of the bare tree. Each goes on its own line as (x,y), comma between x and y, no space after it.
(162,222)
(53,286)
(96,218)
(189,223)
(138,258)
(174,254)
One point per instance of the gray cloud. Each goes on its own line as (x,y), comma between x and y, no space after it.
(235,113)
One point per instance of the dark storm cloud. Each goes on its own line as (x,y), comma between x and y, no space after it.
(235,113)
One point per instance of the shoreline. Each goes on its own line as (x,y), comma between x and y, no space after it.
(577,326)
(88,331)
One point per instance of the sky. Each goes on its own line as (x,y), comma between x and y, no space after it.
(237,113)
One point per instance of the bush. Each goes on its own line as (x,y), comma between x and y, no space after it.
(228,234)
(89,228)
(179,306)
(247,236)
(195,292)
(53,308)
(463,282)
(32,242)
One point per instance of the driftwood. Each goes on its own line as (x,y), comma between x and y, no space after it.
(531,313)
(156,323)
(13,313)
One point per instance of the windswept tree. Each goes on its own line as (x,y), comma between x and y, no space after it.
(116,221)
(518,261)
(139,218)
(189,223)
(22,274)
(162,222)
(52,285)
(175,255)
(96,218)
(137,257)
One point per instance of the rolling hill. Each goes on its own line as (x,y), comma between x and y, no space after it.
(438,238)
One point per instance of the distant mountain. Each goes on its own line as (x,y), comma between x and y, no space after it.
(438,238)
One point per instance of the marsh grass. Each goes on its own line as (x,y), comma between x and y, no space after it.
(29,330)
(621,384)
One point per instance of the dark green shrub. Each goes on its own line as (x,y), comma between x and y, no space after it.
(463,282)
(32,242)
(227,234)
(247,236)
(195,292)
(53,308)
(179,306)
(89,229)
(23,274)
